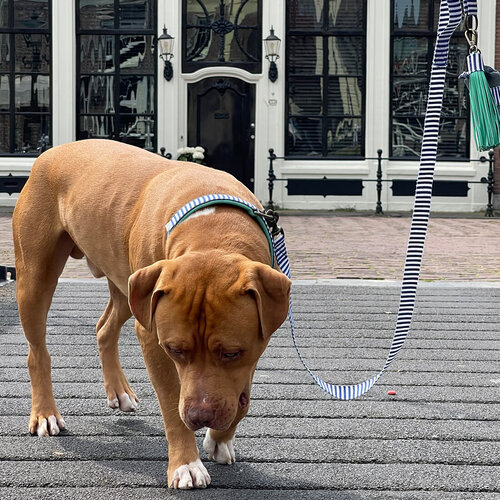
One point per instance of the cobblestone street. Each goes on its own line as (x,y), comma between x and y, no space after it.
(363,247)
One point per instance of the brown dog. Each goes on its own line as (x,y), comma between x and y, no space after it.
(206,300)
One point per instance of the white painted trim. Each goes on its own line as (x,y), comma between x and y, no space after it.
(222,71)
(63,72)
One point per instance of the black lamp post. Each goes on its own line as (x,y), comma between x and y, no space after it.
(272,46)
(166,47)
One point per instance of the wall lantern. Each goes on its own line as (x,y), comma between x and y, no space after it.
(272,46)
(166,47)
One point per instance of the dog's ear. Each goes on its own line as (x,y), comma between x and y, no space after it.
(271,291)
(145,287)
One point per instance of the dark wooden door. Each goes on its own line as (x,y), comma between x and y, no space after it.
(221,118)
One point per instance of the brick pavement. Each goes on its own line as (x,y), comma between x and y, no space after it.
(364,247)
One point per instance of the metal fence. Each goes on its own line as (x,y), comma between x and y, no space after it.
(331,186)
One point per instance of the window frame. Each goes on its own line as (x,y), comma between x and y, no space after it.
(430,35)
(327,33)
(116,32)
(12,31)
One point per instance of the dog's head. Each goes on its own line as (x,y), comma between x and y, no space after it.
(213,314)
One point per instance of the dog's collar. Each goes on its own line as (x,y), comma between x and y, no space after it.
(267,219)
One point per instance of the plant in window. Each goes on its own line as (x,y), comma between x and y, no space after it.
(194,155)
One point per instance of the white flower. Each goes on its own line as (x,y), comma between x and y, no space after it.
(199,149)
(181,151)
(190,150)
(198,156)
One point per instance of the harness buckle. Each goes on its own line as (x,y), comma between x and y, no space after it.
(271,217)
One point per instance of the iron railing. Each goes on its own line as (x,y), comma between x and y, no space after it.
(327,186)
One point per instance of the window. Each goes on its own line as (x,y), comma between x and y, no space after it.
(25,66)
(116,89)
(413,38)
(222,33)
(325,60)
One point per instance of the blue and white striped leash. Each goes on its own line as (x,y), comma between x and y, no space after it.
(449,18)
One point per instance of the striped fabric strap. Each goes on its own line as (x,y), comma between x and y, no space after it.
(449,18)
(221,199)
(496,94)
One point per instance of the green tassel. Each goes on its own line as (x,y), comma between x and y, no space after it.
(484,111)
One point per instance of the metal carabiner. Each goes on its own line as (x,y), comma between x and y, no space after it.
(471,25)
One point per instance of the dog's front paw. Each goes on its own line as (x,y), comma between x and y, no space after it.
(189,476)
(51,425)
(124,401)
(222,453)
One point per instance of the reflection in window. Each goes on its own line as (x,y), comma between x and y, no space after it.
(325,78)
(25,60)
(222,32)
(413,35)
(116,71)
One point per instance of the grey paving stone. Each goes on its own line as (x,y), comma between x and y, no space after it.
(438,438)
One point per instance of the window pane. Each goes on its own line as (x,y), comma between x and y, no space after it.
(4,52)
(137,130)
(31,14)
(136,14)
(305,15)
(219,31)
(409,96)
(455,98)
(407,136)
(137,94)
(305,136)
(453,138)
(4,93)
(33,53)
(411,14)
(32,93)
(345,56)
(97,53)
(31,132)
(408,132)
(4,134)
(98,127)
(347,14)
(459,50)
(136,55)
(305,55)
(344,137)
(345,96)
(411,56)
(97,14)
(97,94)
(4,14)
(305,96)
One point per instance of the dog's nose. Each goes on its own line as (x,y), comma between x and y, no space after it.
(200,416)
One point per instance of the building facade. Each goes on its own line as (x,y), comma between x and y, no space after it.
(351,79)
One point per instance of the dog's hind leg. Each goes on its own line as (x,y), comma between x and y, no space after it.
(108,328)
(41,250)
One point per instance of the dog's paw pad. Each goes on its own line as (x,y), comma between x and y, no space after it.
(189,476)
(222,453)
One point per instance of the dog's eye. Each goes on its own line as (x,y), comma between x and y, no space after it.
(231,355)
(175,351)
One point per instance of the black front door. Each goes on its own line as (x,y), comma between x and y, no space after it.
(221,119)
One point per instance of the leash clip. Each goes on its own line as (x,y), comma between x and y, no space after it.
(471,25)
(271,217)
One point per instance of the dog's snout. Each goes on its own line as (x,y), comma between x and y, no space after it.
(200,416)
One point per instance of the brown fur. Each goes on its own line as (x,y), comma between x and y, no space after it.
(199,297)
